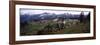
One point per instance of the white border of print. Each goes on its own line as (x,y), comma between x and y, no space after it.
(39,37)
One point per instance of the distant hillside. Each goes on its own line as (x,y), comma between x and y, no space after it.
(46,16)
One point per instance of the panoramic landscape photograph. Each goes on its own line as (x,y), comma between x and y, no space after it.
(50,21)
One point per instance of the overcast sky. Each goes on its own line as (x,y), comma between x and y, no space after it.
(34,11)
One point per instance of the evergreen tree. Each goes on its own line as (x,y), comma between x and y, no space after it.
(88,17)
(81,18)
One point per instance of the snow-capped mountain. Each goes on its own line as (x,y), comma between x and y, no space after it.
(47,16)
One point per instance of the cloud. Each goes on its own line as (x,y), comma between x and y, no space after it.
(37,11)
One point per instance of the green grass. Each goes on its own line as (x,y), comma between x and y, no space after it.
(79,28)
(33,28)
